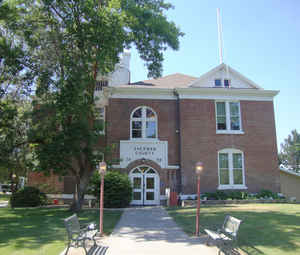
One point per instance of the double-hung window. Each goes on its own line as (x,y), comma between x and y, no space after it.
(100,120)
(143,123)
(231,169)
(228,117)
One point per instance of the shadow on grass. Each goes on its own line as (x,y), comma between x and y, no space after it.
(34,227)
(271,229)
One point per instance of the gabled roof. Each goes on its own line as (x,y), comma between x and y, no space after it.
(176,80)
(230,70)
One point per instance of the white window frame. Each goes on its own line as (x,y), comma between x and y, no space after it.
(101,117)
(231,185)
(228,129)
(144,119)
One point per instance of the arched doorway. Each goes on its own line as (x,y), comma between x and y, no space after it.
(145,183)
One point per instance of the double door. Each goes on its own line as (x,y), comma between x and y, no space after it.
(145,182)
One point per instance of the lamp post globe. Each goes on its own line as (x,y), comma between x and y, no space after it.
(199,168)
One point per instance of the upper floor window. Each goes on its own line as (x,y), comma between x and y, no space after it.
(100,119)
(218,83)
(228,116)
(231,169)
(226,83)
(222,83)
(143,123)
(101,84)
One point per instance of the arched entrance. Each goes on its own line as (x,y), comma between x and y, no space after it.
(145,183)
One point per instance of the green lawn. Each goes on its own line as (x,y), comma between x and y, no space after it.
(270,229)
(39,231)
(4,197)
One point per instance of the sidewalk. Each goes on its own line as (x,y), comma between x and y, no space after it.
(150,230)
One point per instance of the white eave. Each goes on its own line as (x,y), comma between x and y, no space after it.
(193,93)
(291,172)
(230,69)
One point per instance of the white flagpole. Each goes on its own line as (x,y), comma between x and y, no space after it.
(220,35)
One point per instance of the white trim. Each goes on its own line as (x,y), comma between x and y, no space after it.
(194,93)
(168,167)
(230,151)
(144,121)
(226,187)
(289,172)
(220,67)
(228,129)
(230,132)
(172,167)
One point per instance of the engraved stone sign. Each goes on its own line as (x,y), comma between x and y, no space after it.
(132,150)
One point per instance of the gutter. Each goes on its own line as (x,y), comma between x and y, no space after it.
(178,131)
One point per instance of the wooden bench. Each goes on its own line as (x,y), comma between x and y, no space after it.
(78,235)
(225,237)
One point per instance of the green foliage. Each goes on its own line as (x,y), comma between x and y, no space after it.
(266,194)
(117,189)
(290,151)
(28,196)
(60,48)
(229,195)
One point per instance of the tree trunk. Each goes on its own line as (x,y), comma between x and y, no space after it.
(81,185)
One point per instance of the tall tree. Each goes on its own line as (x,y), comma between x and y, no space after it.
(290,151)
(15,87)
(68,44)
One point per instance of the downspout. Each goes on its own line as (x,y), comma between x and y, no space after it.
(178,131)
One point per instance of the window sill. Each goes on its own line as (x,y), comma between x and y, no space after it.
(225,187)
(144,139)
(230,132)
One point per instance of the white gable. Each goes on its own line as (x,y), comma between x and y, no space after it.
(222,72)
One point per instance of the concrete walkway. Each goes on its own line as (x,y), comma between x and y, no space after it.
(150,230)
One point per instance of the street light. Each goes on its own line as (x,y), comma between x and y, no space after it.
(198,168)
(101,170)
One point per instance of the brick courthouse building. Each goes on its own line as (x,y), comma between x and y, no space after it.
(162,127)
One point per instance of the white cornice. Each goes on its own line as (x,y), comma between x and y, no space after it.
(193,93)
(289,172)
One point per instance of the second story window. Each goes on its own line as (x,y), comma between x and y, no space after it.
(143,123)
(100,119)
(228,116)
(101,84)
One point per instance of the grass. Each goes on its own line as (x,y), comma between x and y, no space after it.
(38,231)
(271,229)
(4,197)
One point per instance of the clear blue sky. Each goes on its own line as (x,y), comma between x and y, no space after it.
(261,41)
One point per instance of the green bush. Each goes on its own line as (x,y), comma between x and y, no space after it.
(266,194)
(117,189)
(239,195)
(229,195)
(28,197)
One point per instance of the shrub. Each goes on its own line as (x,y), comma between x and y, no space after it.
(240,195)
(221,195)
(28,197)
(264,193)
(117,189)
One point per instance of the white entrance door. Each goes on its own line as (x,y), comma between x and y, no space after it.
(145,182)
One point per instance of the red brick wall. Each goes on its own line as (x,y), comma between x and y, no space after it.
(47,184)
(200,141)
(118,123)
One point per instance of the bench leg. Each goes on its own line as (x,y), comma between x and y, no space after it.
(67,249)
